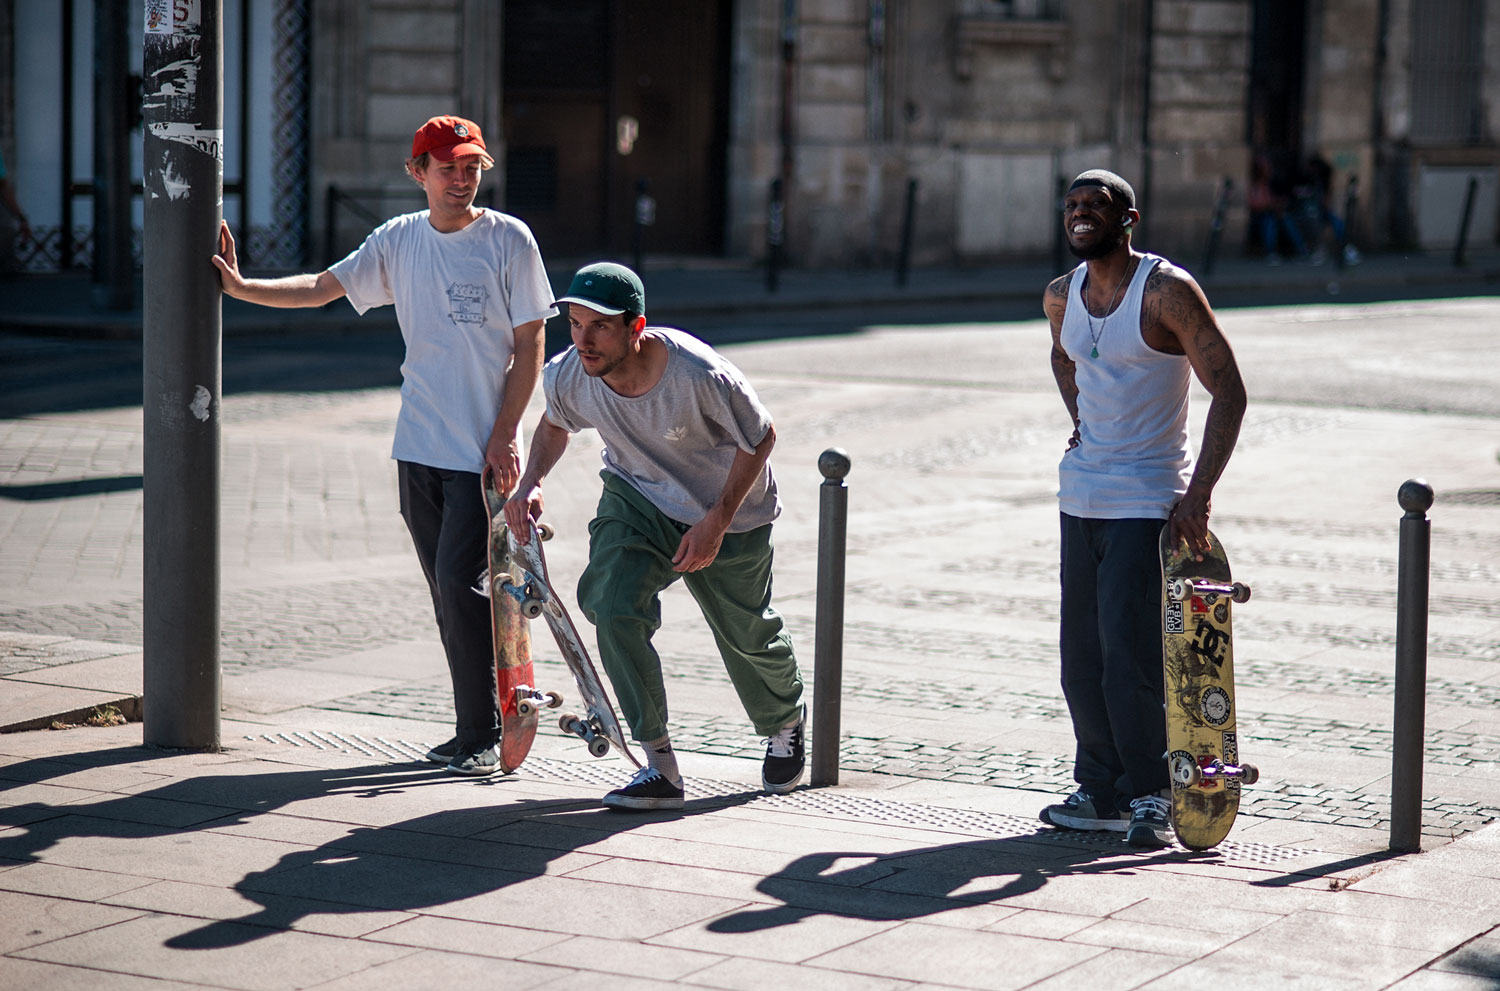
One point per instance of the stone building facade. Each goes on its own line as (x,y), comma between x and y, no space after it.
(959,117)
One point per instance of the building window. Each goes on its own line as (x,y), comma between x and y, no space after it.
(1447,67)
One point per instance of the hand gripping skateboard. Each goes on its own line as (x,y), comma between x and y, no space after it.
(519,701)
(1198,662)
(534,596)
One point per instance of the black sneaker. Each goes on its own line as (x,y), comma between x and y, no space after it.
(444,753)
(785,760)
(473,762)
(1079,811)
(1150,821)
(649,789)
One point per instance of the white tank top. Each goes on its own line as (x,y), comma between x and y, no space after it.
(1132,459)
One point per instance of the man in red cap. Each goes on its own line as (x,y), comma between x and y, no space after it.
(471,297)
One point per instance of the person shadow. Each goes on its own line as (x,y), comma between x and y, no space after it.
(429,860)
(915,883)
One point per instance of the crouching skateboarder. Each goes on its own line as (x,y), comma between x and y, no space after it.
(688,493)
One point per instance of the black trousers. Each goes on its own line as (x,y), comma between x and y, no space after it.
(1112,655)
(445,514)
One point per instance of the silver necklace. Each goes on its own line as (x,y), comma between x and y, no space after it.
(1096,331)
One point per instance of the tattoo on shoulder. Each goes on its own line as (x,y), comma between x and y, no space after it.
(1059,286)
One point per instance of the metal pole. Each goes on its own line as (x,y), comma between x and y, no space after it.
(1415,497)
(908,222)
(1216,227)
(828,650)
(114,263)
(1463,224)
(184,181)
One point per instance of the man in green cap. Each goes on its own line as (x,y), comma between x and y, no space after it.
(688,493)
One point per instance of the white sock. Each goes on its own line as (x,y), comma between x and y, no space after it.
(659,756)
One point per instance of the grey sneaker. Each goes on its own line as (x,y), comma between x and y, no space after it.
(444,753)
(649,789)
(785,759)
(474,763)
(1078,811)
(1150,821)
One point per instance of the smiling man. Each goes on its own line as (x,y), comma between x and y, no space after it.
(688,493)
(471,298)
(1128,331)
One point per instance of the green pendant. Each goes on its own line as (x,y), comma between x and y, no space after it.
(1094,353)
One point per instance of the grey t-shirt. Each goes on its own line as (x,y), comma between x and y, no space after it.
(676,443)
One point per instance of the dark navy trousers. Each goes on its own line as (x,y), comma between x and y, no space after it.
(1112,655)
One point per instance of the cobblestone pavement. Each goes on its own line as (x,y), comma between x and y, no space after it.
(949,639)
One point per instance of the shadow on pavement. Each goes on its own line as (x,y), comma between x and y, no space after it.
(418,863)
(917,883)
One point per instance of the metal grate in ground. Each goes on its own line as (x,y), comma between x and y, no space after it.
(821,803)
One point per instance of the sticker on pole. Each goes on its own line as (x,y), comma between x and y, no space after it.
(171,16)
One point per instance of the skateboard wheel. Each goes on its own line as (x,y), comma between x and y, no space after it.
(598,746)
(531,608)
(526,707)
(570,723)
(554,700)
(1241,592)
(1249,774)
(543,531)
(1180,590)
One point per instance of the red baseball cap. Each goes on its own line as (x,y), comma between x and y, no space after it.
(447,137)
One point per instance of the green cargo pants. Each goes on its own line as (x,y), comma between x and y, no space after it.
(631,544)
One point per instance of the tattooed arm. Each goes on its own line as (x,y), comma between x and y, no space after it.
(1178,319)
(1054,302)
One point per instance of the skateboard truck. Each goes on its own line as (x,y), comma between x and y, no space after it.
(530,700)
(1182,589)
(589,731)
(1210,771)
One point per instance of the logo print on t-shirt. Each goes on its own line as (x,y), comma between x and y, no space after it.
(675,434)
(466,302)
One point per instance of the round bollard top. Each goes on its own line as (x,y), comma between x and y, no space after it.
(1415,496)
(834,463)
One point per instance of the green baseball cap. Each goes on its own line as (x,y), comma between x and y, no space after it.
(608,288)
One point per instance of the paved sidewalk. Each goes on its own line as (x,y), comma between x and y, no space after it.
(318,850)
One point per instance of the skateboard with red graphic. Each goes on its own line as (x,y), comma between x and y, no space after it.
(532,595)
(1203,756)
(519,700)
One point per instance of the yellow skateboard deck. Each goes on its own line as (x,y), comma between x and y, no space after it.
(1203,756)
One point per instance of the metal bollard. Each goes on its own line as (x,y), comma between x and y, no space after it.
(1415,496)
(908,222)
(828,649)
(1463,224)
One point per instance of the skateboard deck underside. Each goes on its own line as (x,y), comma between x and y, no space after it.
(591,689)
(512,639)
(1198,662)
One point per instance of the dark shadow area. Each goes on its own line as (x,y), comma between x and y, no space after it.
(43,491)
(417,863)
(926,881)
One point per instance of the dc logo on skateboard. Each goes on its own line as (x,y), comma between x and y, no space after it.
(1215,706)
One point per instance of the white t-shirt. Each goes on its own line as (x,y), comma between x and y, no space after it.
(458,298)
(675,444)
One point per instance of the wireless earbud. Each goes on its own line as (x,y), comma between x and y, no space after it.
(1127,223)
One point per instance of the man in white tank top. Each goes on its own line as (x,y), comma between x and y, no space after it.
(1128,329)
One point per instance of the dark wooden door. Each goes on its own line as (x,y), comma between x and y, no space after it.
(602,96)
